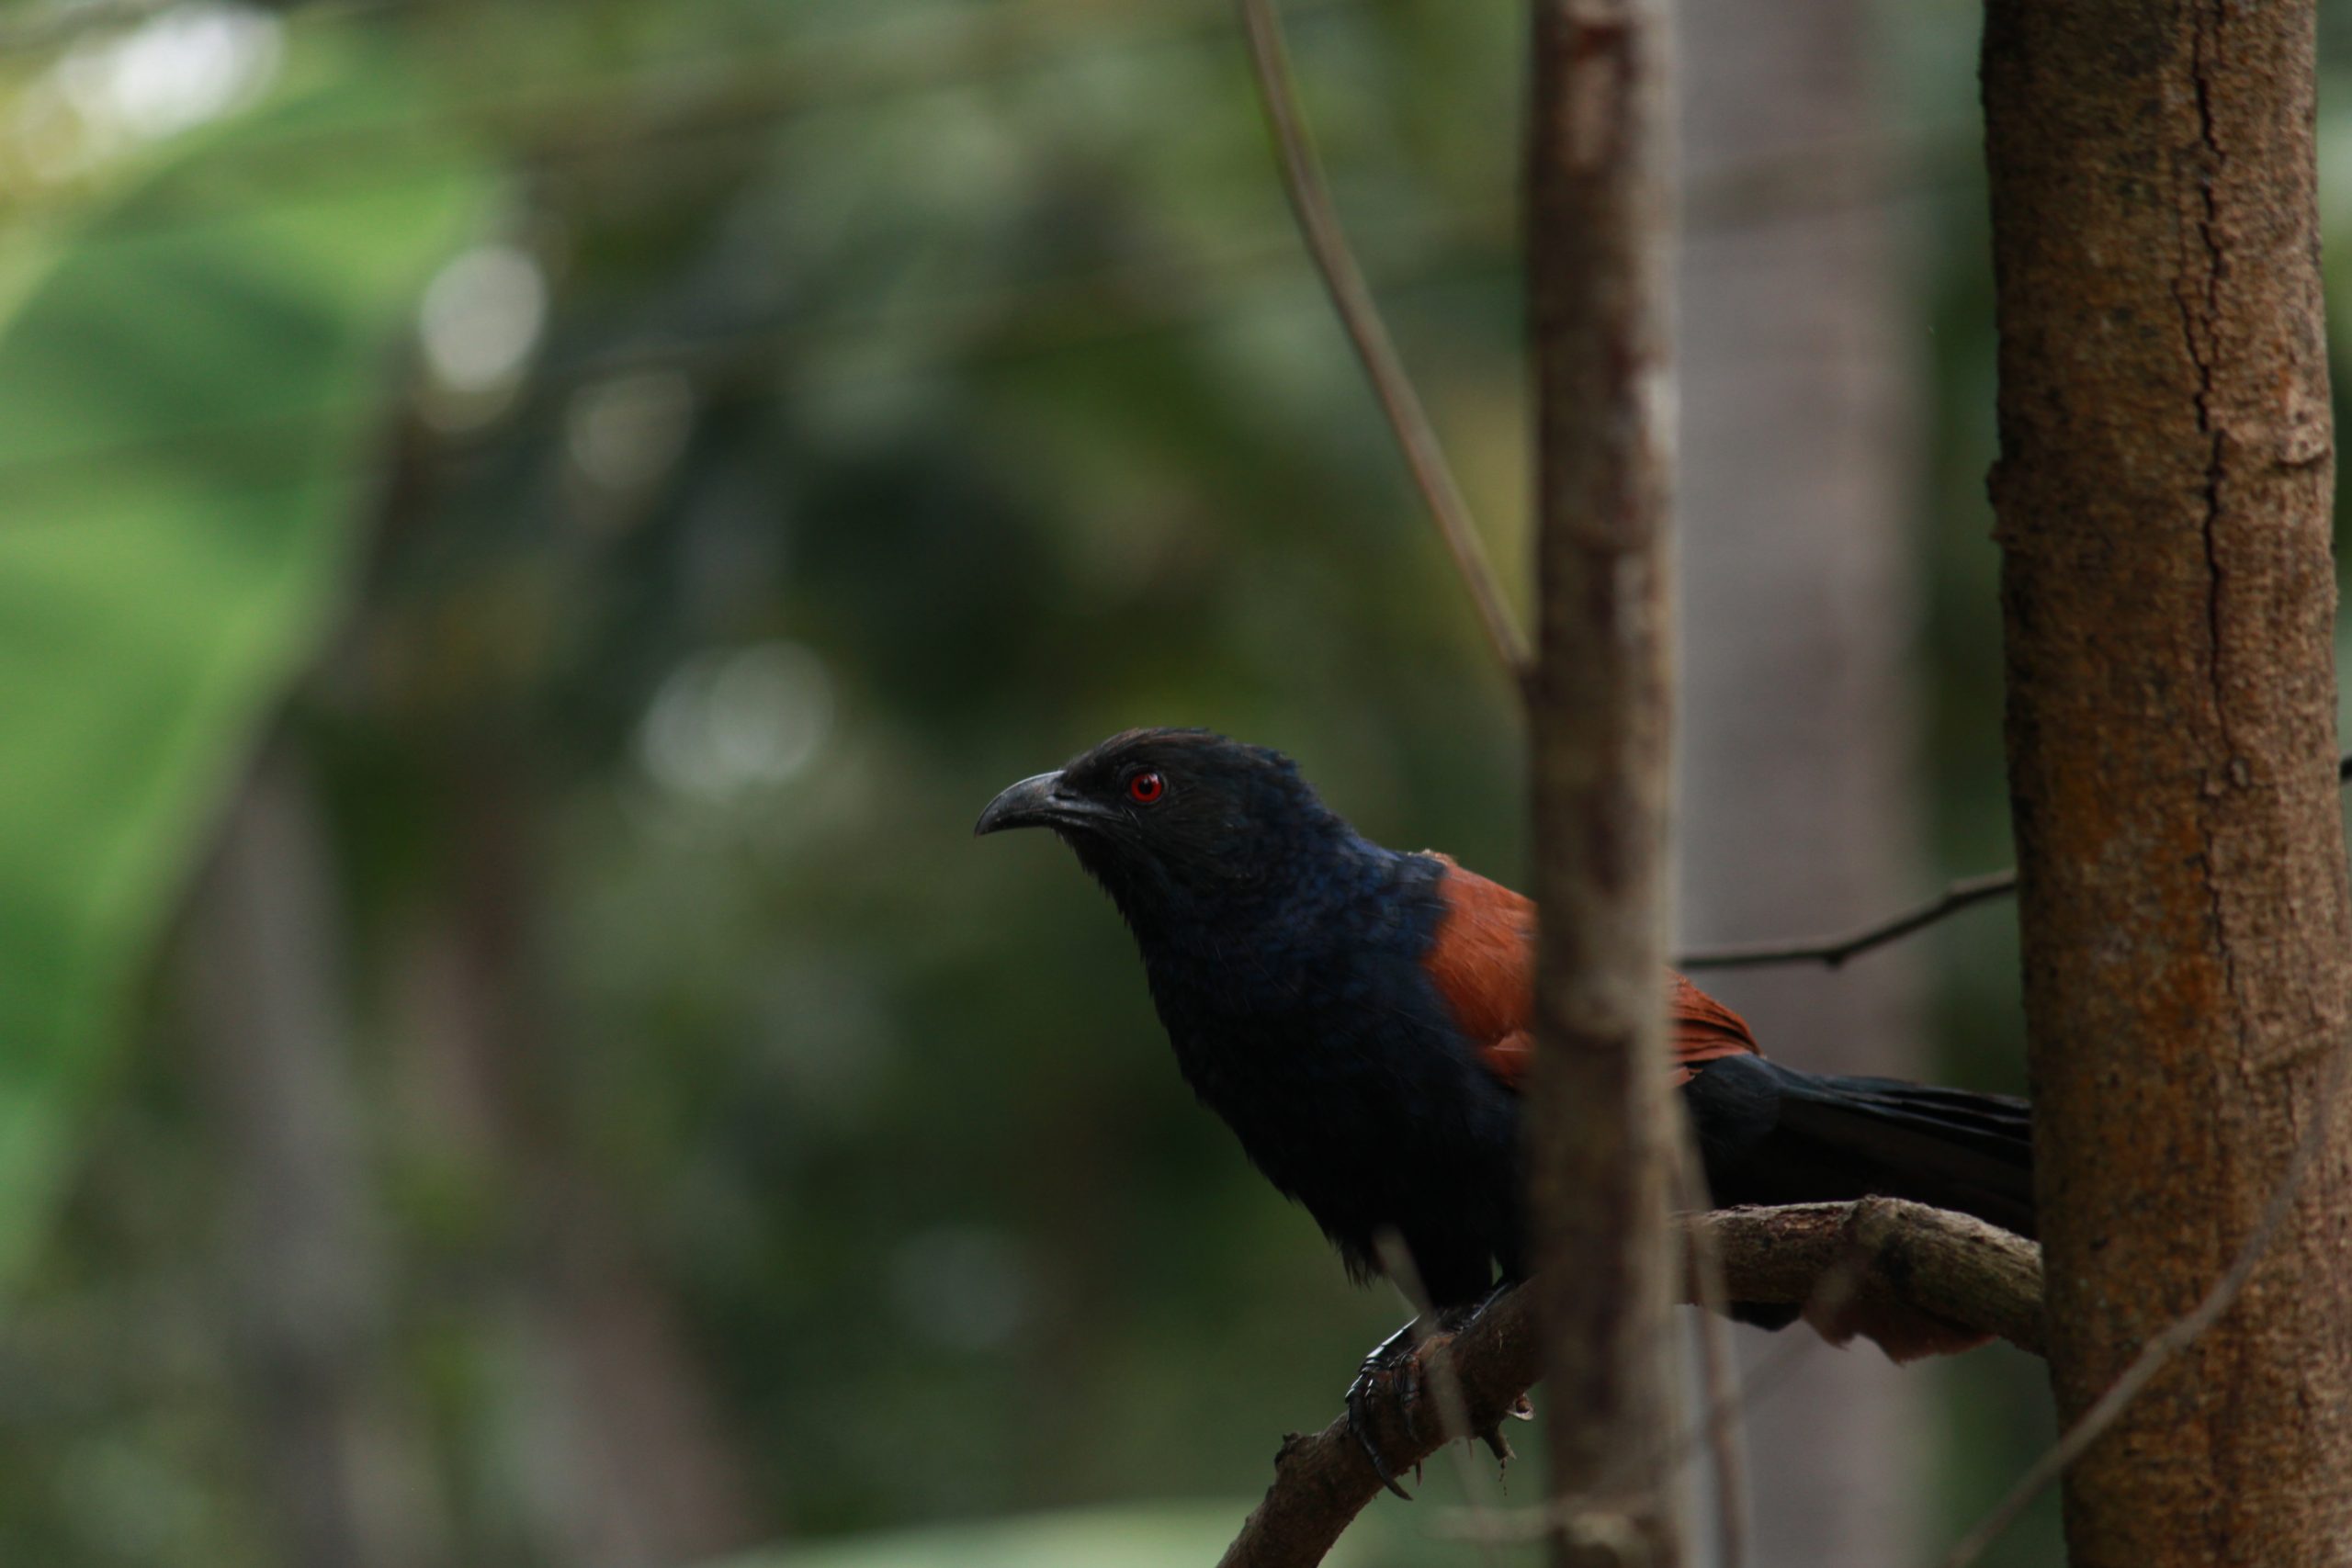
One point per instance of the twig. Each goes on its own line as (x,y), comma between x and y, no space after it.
(1719,1424)
(2168,1342)
(1318,221)
(1833,951)
(1958,1268)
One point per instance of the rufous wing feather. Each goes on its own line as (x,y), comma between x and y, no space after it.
(1483,961)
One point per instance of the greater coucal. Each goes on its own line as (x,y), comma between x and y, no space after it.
(1361,1017)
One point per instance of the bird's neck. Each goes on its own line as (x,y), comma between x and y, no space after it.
(1256,944)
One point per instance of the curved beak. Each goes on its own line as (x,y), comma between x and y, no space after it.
(1038,802)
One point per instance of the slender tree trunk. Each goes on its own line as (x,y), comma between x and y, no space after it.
(2162,495)
(637,1467)
(1600,212)
(632,1460)
(268,1008)
(1796,743)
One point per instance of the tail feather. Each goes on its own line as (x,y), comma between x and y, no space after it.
(1970,1152)
(1774,1134)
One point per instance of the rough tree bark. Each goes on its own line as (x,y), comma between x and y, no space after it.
(1599,213)
(1795,744)
(2163,494)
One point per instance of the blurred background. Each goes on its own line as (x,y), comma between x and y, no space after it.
(528,533)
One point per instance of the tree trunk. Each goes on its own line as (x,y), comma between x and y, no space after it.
(268,1009)
(1598,218)
(1797,742)
(2162,495)
(632,1462)
(637,1467)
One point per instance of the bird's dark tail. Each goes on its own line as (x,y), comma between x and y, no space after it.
(1944,1146)
(1772,1134)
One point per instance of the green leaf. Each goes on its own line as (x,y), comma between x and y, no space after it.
(188,400)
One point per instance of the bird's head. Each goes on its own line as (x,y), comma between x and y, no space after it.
(1171,819)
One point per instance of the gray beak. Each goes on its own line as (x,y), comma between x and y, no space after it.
(1033,803)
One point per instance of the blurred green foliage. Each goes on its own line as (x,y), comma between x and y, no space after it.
(185,412)
(1175,1536)
(902,397)
(1117,1538)
(819,414)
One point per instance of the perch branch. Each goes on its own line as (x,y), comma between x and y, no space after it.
(1879,1248)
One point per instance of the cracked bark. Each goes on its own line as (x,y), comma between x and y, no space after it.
(2169,595)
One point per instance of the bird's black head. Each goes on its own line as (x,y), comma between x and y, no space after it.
(1171,821)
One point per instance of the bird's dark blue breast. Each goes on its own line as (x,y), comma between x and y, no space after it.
(1302,1015)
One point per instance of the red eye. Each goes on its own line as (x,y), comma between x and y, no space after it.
(1145,788)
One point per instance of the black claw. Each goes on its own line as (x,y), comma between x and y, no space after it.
(1358,1430)
(1394,1356)
(1390,1354)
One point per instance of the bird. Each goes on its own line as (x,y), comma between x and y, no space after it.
(1363,1018)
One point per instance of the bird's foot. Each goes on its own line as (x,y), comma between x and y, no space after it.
(1499,1445)
(1393,1361)
(1520,1410)
(1401,1361)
